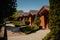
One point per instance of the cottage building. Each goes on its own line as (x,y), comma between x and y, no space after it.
(42,13)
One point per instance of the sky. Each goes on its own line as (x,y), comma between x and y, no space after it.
(27,5)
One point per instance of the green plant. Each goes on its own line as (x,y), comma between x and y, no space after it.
(16,23)
(27,22)
(26,29)
(37,20)
(34,28)
(7,9)
(54,20)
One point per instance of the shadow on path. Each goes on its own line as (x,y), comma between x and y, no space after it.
(5,34)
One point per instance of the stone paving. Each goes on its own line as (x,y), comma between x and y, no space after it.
(34,36)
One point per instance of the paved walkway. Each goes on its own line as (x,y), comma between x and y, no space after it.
(34,36)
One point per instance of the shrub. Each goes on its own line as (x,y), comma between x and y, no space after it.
(27,22)
(30,29)
(54,20)
(35,28)
(16,23)
(37,20)
(26,29)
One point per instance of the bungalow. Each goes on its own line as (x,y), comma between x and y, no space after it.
(42,13)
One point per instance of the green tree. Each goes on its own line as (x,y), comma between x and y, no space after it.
(37,20)
(27,21)
(54,20)
(7,8)
(14,17)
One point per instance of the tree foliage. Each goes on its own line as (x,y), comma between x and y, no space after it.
(13,17)
(17,13)
(37,20)
(54,20)
(27,21)
(7,8)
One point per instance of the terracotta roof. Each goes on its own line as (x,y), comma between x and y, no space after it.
(43,9)
(26,13)
(21,15)
(33,12)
